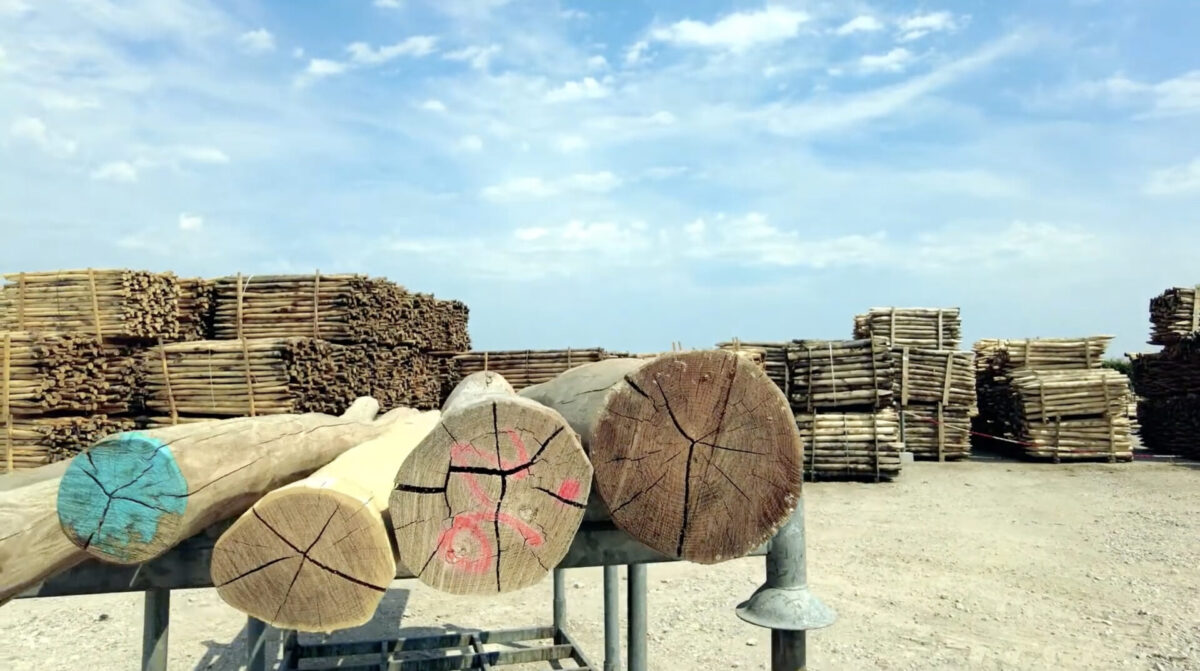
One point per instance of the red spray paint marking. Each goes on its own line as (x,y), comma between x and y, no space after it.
(569,489)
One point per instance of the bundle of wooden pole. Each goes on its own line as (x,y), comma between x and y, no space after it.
(696,454)
(490,501)
(1170,424)
(195,309)
(135,495)
(398,376)
(1040,353)
(101,303)
(337,308)
(1168,373)
(51,372)
(932,328)
(935,376)
(1080,438)
(316,555)
(851,445)
(1174,314)
(775,359)
(1071,393)
(30,442)
(840,374)
(941,432)
(523,368)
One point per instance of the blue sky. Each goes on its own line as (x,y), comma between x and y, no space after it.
(622,174)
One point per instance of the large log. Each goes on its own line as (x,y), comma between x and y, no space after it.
(490,501)
(695,453)
(32,547)
(316,555)
(133,496)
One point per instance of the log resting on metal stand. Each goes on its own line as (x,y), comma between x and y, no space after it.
(155,629)
(784,603)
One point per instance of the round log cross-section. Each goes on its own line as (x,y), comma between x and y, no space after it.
(696,454)
(490,501)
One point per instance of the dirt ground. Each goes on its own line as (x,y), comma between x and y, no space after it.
(974,565)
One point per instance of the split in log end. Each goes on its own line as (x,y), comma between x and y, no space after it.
(121,499)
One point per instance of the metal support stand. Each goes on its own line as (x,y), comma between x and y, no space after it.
(612,620)
(560,603)
(784,604)
(155,629)
(256,645)
(636,604)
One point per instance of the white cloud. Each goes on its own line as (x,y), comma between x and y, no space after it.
(34,131)
(636,51)
(895,60)
(321,67)
(526,188)
(190,222)
(116,171)
(570,143)
(1174,180)
(477,56)
(918,26)
(1176,96)
(735,32)
(860,24)
(597,62)
(665,171)
(416,46)
(56,100)
(257,41)
(203,155)
(585,89)
(13,7)
(432,105)
(388,4)
(470,143)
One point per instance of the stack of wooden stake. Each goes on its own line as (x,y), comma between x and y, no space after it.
(103,303)
(1053,399)
(774,356)
(1174,315)
(851,445)
(932,328)
(936,392)
(1168,382)
(523,368)
(195,309)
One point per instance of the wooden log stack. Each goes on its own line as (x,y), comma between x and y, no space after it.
(844,375)
(195,309)
(851,445)
(1170,424)
(1168,381)
(931,328)
(1071,393)
(935,389)
(102,303)
(524,368)
(37,441)
(1001,356)
(1174,315)
(48,372)
(774,356)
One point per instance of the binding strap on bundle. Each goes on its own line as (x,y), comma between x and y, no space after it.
(249,377)
(8,429)
(316,305)
(95,304)
(162,351)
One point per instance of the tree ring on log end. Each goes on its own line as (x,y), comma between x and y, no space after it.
(117,499)
(697,455)
(490,501)
(306,558)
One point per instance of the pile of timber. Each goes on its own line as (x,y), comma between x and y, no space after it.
(195,309)
(30,442)
(774,358)
(937,431)
(840,374)
(851,445)
(1171,372)
(337,308)
(1174,315)
(1170,424)
(936,392)
(51,372)
(524,368)
(993,356)
(932,328)
(1046,394)
(102,303)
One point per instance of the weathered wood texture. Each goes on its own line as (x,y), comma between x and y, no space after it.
(997,356)
(36,441)
(1174,315)
(937,433)
(931,328)
(195,309)
(775,359)
(927,376)
(841,374)
(851,445)
(49,372)
(338,308)
(132,496)
(1080,438)
(490,501)
(696,454)
(316,555)
(101,303)
(1171,424)
(1171,372)
(522,368)
(1071,393)
(32,547)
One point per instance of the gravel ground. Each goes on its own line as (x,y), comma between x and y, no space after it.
(973,565)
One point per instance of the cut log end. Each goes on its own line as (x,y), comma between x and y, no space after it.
(122,501)
(308,559)
(490,501)
(697,456)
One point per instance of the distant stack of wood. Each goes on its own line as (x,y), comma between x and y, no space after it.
(36,441)
(103,303)
(1171,424)
(338,308)
(1174,315)
(774,357)
(195,309)
(1052,398)
(851,445)
(523,368)
(935,390)
(841,374)
(932,328)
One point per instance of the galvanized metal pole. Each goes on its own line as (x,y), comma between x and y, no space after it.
(612,620)
(636,603)
(560,604)
(256,645)
(155,629)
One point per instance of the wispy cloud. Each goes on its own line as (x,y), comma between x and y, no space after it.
(190,222)
(860,24)
(918,26)
(1173,181)
(587,88)
(536,187)
(1176,96)
(388,4)
(363,55)
(116,171)
(433,105)
(895,60)
(736,32)
(477,56)
(34,131)
(257,41)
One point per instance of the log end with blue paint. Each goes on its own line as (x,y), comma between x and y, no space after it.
(123,498)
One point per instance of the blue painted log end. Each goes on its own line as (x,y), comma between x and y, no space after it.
(123,496)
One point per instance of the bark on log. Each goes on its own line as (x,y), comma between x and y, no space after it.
(490,501)
(317,555)
(133,496)
(696,453)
